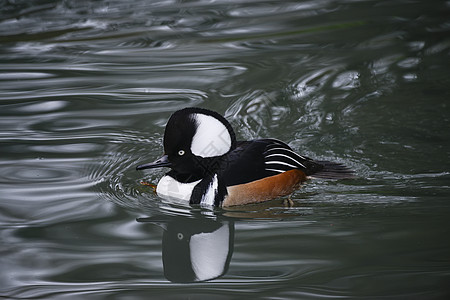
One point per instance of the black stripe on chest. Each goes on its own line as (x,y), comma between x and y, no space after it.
(211,190)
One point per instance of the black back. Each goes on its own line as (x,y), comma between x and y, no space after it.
(257,159)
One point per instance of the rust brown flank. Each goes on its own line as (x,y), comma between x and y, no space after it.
(264,189)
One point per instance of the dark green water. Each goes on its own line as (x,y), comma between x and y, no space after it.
(87,86)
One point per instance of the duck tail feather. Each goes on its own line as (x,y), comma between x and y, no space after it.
(332,170)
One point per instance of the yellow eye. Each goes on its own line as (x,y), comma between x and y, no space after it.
(181,152)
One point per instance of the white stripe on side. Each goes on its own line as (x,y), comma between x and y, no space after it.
(275,170)
(280,163)
(287,156)
(288,150)
(210,194)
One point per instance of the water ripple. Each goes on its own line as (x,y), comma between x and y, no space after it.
(88,86)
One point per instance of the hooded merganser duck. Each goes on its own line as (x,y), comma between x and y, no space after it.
(209,167)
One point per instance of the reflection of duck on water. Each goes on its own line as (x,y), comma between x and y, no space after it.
(195,249)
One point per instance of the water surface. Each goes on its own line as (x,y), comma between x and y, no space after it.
(86,90)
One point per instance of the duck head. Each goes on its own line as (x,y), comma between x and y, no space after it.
(194,141)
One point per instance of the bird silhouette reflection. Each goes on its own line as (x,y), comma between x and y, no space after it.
(194,249)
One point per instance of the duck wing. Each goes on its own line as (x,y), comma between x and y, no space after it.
(257,159)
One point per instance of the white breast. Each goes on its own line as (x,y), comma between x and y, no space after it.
(169,188)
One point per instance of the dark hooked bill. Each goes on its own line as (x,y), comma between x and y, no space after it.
(160,162)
